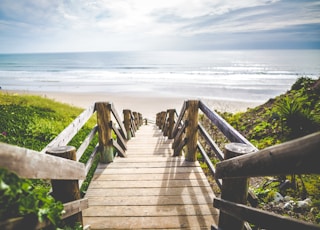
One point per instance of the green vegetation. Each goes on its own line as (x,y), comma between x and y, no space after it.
(288,116)
(32,122)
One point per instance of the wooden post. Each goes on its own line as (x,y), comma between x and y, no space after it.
(158,120)
(171,122)
(66,190)
(127,122)
(192,130)
(135,115)
(163,120)
(235,189)
(105,135)
(140,119)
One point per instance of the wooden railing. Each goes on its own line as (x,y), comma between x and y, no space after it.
(67,174)
(298,156)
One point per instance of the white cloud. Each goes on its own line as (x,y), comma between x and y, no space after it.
(122,24)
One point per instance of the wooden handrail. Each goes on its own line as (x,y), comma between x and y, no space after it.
(68,133)
(300,156)
(180,117)
(17,160)
(262,218)
(231,133)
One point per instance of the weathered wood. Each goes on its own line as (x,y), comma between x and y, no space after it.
(120,139)
(211,143)
(209,164)
(135,115)
(235,190)
(119,149)
(86,142)
(151,222)
(105,135)
(126,192)
(101,170)
(74,207)
(171,113)
(262,218)
(129,192)
(91,159)
(127,122)
(179,135)
(192,130)
(296,156)
(148,210)
(31,164)
(133,126)
(149,176)
(231,133)
(68,133)
(181,115)
(150,184)
(119,121)
(26,222)
(150,200)
(66,190)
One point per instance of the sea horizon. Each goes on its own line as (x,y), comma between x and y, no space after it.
(244,75)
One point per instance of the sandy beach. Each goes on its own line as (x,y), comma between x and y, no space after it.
(147,104)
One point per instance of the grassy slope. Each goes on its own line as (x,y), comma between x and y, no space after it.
(33,121)
(288,116)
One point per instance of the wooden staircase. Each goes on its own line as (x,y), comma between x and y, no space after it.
(150,189)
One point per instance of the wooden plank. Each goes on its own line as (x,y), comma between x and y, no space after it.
(74,207)
(143,211)
(201,191)
(164,222)
(149,184)
(211,143)
(150,200)
(293,157)
(68,133)
(119,137)
(119,121)
(262,218)
(153,177)
(120,165)
(101,170)
(31,164)
(178,123)
(231,133)
(86,142)
(119,149)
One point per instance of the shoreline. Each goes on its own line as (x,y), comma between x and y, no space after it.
(147,104)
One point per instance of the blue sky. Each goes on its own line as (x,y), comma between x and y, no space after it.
(121,25)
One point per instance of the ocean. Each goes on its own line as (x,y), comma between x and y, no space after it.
(244,75)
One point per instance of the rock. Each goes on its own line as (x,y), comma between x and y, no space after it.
(277,197)
(304,203)
(288,206)
(287,198)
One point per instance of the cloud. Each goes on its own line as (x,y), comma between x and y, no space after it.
(143,24)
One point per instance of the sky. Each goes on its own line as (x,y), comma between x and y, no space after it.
(132,25)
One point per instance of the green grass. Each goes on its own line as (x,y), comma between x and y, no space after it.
(33,122)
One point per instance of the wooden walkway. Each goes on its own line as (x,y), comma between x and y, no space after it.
(150,189)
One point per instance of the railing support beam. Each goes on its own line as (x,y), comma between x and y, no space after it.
(127,122)
(66,190)
(192,130)
(234,190)
(104,128)
(171,123)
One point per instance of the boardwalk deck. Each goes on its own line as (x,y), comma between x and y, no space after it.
(150,189)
